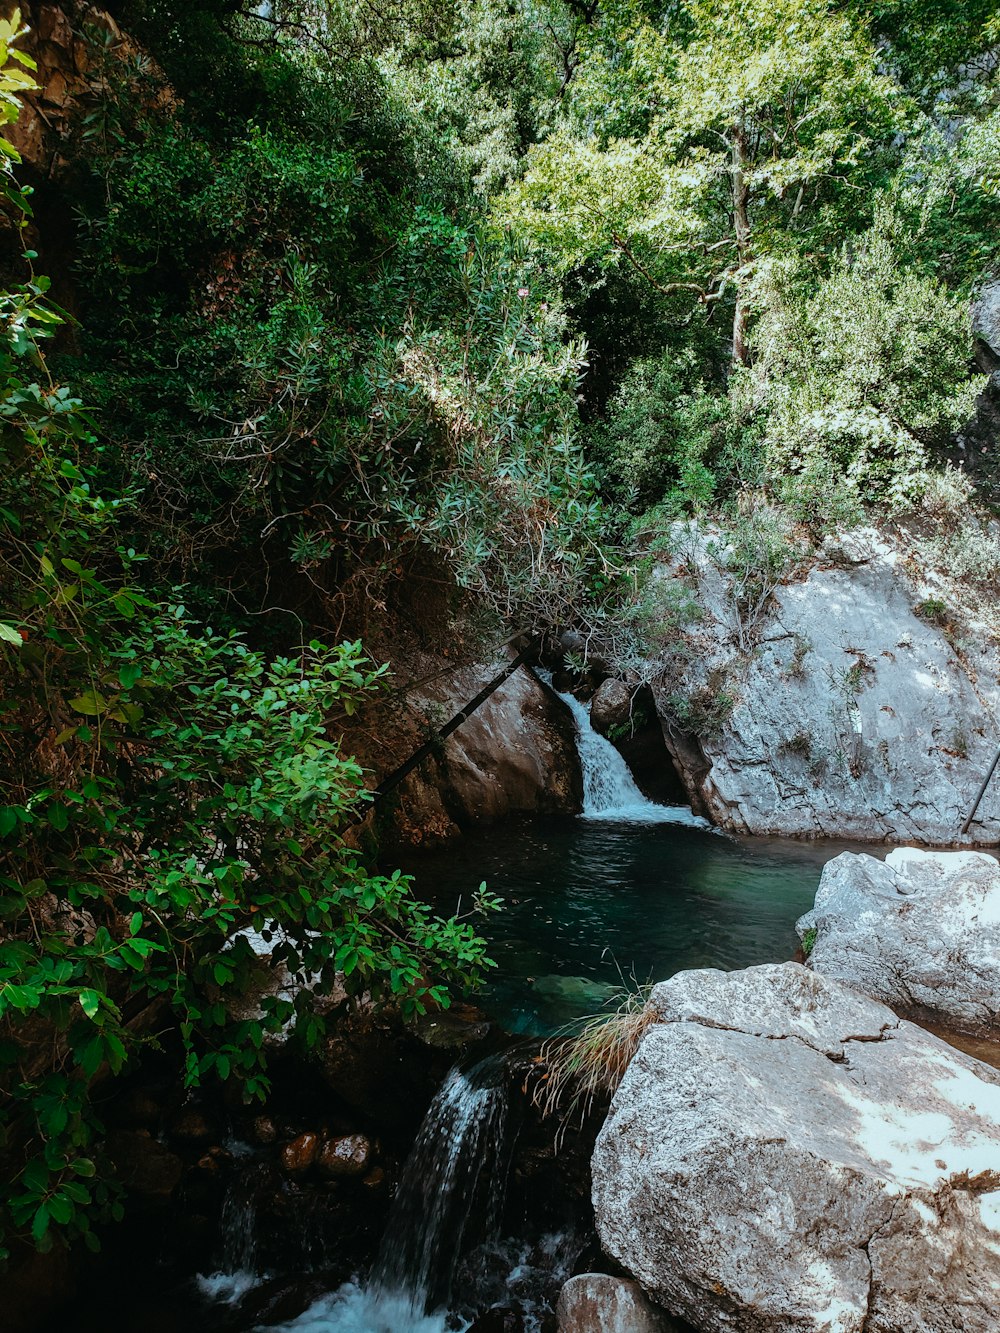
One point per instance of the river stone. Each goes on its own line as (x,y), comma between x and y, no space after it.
(784,1154)
(599,1303)
(348,1155)
(919,931)
(299,1155)
(611,706)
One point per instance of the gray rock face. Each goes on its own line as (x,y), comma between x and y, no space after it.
(854,715)
(611,706)
(986,318)
(919,931)
(598,1303)
(784,1154)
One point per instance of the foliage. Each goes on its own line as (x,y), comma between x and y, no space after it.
(165,788)
(759,110)
(860,377)
(336,370)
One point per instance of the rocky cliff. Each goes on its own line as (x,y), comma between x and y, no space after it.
(863,703)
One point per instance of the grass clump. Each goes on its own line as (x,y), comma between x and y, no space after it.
(585,1066)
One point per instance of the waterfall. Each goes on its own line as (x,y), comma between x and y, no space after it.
(450,1196)
(609,789)
(459,1158)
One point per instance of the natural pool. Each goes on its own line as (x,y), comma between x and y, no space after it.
(590,903)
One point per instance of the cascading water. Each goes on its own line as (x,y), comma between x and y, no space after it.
(455,1176)
(609,789)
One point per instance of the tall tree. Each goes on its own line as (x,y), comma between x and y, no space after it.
(744,126)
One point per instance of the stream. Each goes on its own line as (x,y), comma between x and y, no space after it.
(626,893)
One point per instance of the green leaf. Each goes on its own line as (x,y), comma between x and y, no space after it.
(91,703)
(90,1002)
(8,634)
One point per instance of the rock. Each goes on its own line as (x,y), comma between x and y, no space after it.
(191,1125)
(145,1167)
(849,712)
(299,1155)
(264,1130)
(986,319)
(376,1180)
(784,1154)
(598,1303)
(499,1320)
(516,753)
(919,931)
(348,1155)
(611,706)
(459,1028)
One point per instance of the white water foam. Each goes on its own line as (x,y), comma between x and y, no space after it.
(609,789)
(351,1309)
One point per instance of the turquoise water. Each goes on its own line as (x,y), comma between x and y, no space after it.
(589,903)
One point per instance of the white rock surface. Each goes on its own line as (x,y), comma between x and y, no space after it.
(599,1303)
(919,931)
(784,1154)
(855,716)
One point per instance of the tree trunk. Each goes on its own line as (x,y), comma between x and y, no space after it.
(741,221)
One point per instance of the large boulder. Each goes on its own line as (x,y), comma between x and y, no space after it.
(515,754)
(919,931)
(864,702)
(611,706)
(784,1154)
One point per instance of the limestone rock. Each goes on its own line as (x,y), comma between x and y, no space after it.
(986,317)
(598,1303)
(919,931)
(345,1156)
(611,706)
(853,714)
(784,1154)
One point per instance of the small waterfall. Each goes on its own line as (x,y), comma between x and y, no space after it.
(459,1160)
(609,789)
(450,1197)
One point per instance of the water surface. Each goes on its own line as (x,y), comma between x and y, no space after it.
(590,902)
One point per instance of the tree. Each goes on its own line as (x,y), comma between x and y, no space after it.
(742,120)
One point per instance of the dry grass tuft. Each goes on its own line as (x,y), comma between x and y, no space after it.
(586,1066)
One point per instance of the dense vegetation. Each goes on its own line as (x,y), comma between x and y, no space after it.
(381,299)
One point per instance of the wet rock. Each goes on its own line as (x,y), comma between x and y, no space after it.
(611,706)
(459,1028)
(145,1167)
(516,753)
(191,1125)
(786,1154)
(919,931)
(383,1072)
(347,1156)
(598,1303)
(376,1181)
(264,1131)
(499,1320)
(298,1156)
